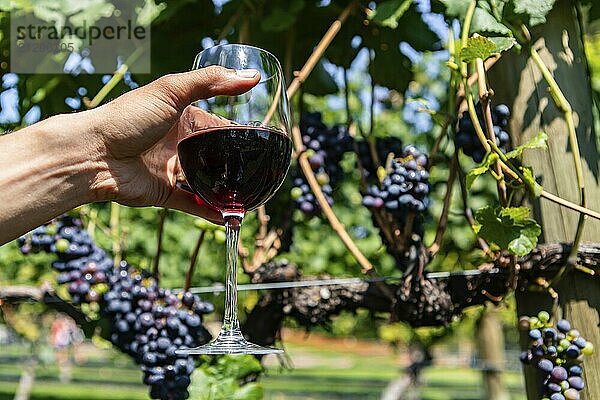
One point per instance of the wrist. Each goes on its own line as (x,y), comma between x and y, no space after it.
(46,170)
(70,155)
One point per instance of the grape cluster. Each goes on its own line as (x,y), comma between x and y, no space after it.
(150,324)
(147,322)
(402,196)
(405,188)
(467,139)
(557,351)
(327,145)
(81,264)
(325,149)
(383,147)
(303,196)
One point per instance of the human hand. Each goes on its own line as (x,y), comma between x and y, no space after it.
(136,137)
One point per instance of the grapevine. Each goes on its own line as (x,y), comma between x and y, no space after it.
(147,322)
(383,148)
(326,148)
(557,350)
(466,138)
(400,200)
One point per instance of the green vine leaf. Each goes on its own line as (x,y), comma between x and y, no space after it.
(389,12)
(453,8)
(535,9)
(483,47)
(221,380)
(503,43)
(483,21)
(537,142)
(477,47)
(509,228)
(282,17)
(476,172)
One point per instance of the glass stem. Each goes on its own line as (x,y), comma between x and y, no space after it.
(233,221)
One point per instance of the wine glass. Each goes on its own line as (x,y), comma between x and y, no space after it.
(237,164)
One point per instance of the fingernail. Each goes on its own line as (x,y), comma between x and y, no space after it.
(246,73)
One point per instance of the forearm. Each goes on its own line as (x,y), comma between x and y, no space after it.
(45,170)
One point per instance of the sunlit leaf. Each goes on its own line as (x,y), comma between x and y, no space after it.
(537,142)
(389,12)
(535,9)
(510,228)
(476,172)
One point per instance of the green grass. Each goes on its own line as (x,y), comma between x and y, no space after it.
(83,374)
(321,374)
(59,391)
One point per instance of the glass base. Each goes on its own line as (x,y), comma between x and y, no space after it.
(230,342)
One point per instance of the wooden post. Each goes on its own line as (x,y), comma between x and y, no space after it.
(518,83)
(490,346)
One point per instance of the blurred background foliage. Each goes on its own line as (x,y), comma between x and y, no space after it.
(400,55)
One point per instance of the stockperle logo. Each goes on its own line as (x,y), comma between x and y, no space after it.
(47,42)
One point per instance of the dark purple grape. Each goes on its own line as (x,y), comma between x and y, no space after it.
(576,382)
(549,333)
(502,111)
(554,387)
(575,370)
(188,299)
(163,343)
(563,325)
(537,351)
(558,374)
(573,351)
(580,342)
(122,326)
(478,155)
(545,365)
(467,139)
(525,357)
(535,334)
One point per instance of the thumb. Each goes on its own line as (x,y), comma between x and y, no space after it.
(180,90)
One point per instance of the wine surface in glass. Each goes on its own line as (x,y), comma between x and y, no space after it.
(235,168)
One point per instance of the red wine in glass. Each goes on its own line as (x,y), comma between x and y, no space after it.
(237,165)
(235,168)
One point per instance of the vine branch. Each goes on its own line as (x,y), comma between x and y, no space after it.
(507,166)
(319,50)
(108,87)
(190,271)
(45,294)
(484,100)
(443,221)
(565,107)
(468,212)
(162,216)
(115,232)
(337,226)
